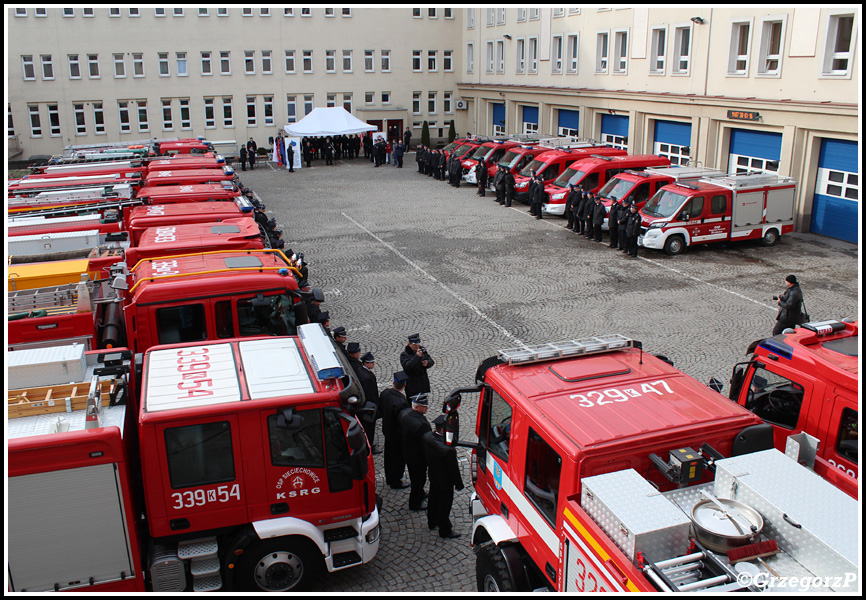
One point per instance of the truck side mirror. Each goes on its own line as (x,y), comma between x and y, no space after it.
(452,428)
(357,441)
(289,419)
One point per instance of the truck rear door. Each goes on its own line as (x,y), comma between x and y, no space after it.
(839,443)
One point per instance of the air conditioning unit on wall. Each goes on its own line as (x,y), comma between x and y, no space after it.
(461,105)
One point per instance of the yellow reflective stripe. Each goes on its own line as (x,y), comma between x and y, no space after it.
(602,554)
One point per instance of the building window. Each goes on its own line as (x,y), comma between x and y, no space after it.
(53,120)
(28,69)
(838,52)
(331,100)
(35,124)
(532,58)
(137,64)
(682,50)
(290,61)
(123,115)
(368,61)
(222,12)
(167,121)
(203,12)
(181,64)
(114,12)
(447,105)
(266,62)
(416,13)
(556,54)
(520,62)
(93,66)
(228,118)
(772,36)
(500,16)
(308,61)
(209,114)
(678,155)
(98,119)
(206,67)
(47,67)
(119,66)
(177,12)
(841,184)
(347,61)
(738,60)
(416,103)
(572,48)
(164,70)
(157,12)
(308,104)
(251,111)
(250,62)
(347,102)
(601,52)
(431,61)
(620,59)
(386,97)
(346,12)
(291,109)
(330,61)
(657,51)
(500,56)
(741,164)
(225,63)
(269,110)
(143,124)
(134,13)
(369,97)
(386,61)
(490,57)
(617,141)
(185,122)
(67,12)
(470,18)
(306,12)
(470,58)
(431,103)
(416,61)
(74,67)
(447,61)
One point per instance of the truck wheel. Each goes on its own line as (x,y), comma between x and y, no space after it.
(282,564)
(770,238)
(675,244)
(490,570)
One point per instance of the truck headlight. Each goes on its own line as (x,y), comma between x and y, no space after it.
(657,225)
(557,196)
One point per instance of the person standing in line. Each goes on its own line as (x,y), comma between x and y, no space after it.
(588,209)
(444,474)
(251,153)
(407,137)
(509,186)
(243,156)
(622,221)
(413,425)
(537,196)
(391,402)
(328,150)
(570,206)
(481,177)
(530,192)
(367,379)
(353,350)
(499,185)
(598,214)
(308,153)
(415,362)
(399,150)
(579,212)
(632,230)
(613,221)
(340,337)
(790,305)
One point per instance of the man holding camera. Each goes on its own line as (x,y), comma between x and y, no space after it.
(790,305)
(415,362)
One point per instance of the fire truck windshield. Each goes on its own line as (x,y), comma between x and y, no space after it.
(509,159)
(664,204)
(570,176)
(617,188)
(532,168)
(481,152)
(273,315)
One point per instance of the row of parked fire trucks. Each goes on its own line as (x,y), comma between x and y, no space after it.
(209,437)
(679,205)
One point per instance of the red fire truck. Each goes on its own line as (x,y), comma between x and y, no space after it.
(140,218)
(172,240)
(165,194)
(719,209)
(182,146)
(185,161)
(593,172)
(491,152)
(515,160)
(125,168)
(601,468)
(806,381)
(190,176)
(551,166)
(240,466)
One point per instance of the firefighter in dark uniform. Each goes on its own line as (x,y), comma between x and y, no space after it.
(579,211)
(537,197)
(613,221)
(413,425)
(481,177)
(509,186)
(340,337)
(571,205)
(444,474)
(415,362)
(624,212)
(353,350)
(391,402)
(367,379)
(499,185)
(632,230)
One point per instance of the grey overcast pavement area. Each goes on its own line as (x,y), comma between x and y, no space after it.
(397,252)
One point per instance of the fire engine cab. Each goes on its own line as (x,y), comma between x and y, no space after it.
(241,467)
(805,382)
(602,468)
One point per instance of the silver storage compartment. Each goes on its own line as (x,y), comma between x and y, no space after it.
(788,494)
(64,241)
(635,515)
(52,365)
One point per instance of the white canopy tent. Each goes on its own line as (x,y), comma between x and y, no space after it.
(328,121)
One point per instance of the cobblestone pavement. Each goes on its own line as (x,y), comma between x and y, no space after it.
(397,253)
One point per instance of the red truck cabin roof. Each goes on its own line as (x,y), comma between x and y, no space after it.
(185,162)
(154,215)
(189,176)
(230,234)
(618,399)
(250,270)
(193,192)
(189,146)
(831,347)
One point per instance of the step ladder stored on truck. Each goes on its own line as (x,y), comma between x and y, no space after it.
(59,299)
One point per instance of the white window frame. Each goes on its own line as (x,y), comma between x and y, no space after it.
(500,56)
(27,63)
(209,113)
(143,118)
(520,60)
(532,55)
(447,103)
(93,61)
(228,112)
(267,63)
(470,18)
(448,61)
(602,52)
(765,56)
(307,57)
(330,61)
(34,120)
(347,102)
(206,63)
(416,103)
(678,155)
(620,53)
(289,62)
(490,62)
(249,62)
(385,61)
(53,120)
(432,103)
(225,62)
(330,100)
(251,112)
(123,111)
(838,184)
(119,65)
(572,49)
(291,108)
(678,57)
(369,98)
(742,164)
(309,103)
(182,64)
(470,57)
(185,114)
(72,61)
(98,119)
(347,66)
(616,141)
(831,54)
(164,65)
(556,54)
(432,61)
(167,117)
(416,61)
(659,60)
(738,56)
(386,97)
(47,63)
(137,61)
(369,61)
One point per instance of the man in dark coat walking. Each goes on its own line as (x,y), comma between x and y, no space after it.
(444,474)
(391,402)
(413,425)
(415,362)
(790,305)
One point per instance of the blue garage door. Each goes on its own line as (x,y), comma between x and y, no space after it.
(530,119)
(672,140)
(614,131)
(498,119)
(754,151)
(569,122)
(837,191)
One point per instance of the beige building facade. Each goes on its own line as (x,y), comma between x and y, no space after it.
(738,88)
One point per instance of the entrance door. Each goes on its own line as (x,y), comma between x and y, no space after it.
(395,129)
(376,122)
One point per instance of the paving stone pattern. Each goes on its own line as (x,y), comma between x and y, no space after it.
(397,253)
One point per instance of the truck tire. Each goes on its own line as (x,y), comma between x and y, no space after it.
(491,572)
(290,563)
(675,244)
(770,238)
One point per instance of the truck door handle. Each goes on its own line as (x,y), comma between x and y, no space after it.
(614,570)
(551,572)
(279,508)
(503,509)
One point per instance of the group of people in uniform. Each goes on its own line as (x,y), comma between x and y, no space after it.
(585,214)
(410,444)
(438,165)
